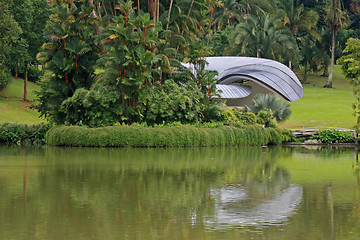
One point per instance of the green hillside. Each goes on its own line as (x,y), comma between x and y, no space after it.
(12,107)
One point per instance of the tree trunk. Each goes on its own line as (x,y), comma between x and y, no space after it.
(152,9)
(157,10)
(97,28)
(138,2)
(326,71)
(103,5)
(188,15)
(328,84)
(305,75)
(168,20)
(25,82)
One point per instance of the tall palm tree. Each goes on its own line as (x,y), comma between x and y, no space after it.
(334,18)
(297,18)
(262,36)
(228,14)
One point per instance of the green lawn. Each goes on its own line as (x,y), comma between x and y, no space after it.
(322,107)
(13,109)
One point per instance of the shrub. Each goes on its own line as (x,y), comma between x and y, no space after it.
(5,77)
(287,136)
(176,136)
(237,117)
(270,102)
(333,136)
(34,73)
(264,117)
(19,133)
(248,118)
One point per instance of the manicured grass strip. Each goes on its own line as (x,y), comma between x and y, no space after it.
(179,136)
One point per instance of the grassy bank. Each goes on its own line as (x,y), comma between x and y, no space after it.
(12,107)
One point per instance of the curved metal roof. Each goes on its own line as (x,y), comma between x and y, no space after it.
(270,73)
(233,91)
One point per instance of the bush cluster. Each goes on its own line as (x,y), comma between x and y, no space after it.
(333,136)
(19,133)
(34,73)
(175,136)
(236,117)
(5,78)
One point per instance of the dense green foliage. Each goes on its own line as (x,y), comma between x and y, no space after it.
(31,15)
(34,73)
(70,55)
(5,77)
(351,68)
(9,33)
(21,133)
(176,136)
(333,136)
(135,55)
(173,103)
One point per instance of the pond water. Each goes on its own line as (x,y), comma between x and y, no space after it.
(193,193)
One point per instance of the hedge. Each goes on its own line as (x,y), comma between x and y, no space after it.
(176,136)
(22,133)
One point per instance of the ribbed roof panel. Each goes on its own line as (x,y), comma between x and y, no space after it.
(233,91)
(272,74)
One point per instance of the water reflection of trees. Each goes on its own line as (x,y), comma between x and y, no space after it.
(134,193)
(57,193)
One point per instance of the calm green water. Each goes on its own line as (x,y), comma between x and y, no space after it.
(207,193)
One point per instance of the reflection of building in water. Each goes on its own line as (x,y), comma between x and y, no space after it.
(234,207)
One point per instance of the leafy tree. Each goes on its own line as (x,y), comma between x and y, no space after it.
(220,40)
(205,82)
(309,54)
(350,65)
(324,45)
(69,56)
(31,16)
(137,58)
(9,34)
(171,102)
